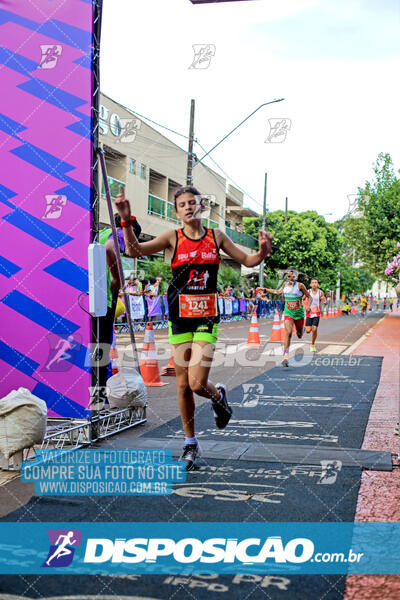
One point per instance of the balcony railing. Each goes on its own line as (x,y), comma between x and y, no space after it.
(209,223)
(113,186)
(156,206)
(171,214)
(241,238)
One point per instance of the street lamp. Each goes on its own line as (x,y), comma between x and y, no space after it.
(237,126)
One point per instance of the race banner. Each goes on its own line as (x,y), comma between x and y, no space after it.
(137,307)
(154,306)
(166,309)
(228,306)
(46,134)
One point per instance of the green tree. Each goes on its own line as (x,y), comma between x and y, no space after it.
(306,241)
(354,279)
(374,229)
(227,276)
(156,268)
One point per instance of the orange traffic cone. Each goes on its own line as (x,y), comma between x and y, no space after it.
(169,369)
(148,359)
(254,336)
(276,329)
(330,314)
(283,330)
(325,312)
(114,354)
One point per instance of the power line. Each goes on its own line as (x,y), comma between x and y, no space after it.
(229,177)
(257,202)
(134,112)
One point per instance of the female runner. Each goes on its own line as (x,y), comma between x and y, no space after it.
(193,304)
(293,292)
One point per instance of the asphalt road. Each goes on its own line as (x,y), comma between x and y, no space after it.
(234,364)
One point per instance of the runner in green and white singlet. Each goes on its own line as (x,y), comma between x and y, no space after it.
(293,292)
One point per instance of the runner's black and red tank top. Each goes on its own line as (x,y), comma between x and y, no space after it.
(192,293)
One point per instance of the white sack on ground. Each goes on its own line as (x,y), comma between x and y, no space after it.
(127,389)
(23,419)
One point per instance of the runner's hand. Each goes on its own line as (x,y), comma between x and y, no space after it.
(122,205)
(264,243)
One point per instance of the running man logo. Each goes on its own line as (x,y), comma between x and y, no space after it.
(251,394)
(278,129)
(50,55)
(54,206)
(62,542)
(356,202)
(203,54)
(204,204)
(62,353)
(129,129)
(330,470)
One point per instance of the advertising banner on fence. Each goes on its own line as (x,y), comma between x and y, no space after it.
(137,307)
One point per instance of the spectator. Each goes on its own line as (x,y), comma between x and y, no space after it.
(102,328)
(346,309)
(159,286)
(137,288)
(150,289)
(391,304)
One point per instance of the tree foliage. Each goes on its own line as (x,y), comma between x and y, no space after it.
(156,268)
(227,276)
(306,241)
(374,229)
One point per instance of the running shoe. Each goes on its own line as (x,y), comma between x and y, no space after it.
(285,362)
(396,429)
(313,348)
(221,408)
(189,455)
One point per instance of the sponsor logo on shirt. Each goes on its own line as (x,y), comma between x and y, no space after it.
(209,255)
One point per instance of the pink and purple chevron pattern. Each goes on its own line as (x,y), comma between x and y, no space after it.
(46,140)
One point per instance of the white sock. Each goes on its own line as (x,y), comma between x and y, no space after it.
(191,440)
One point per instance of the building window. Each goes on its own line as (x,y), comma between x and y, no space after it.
(143,171)
(132,166)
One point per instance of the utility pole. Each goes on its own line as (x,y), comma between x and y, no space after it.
(261,274)
(189,176)
(286,203)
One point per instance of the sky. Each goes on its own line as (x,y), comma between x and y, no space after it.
(335,63)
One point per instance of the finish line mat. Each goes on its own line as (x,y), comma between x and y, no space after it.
(283,406)
(326,402)
(224,490)
(174,587)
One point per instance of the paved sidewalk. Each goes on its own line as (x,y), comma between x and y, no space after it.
(379,493)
